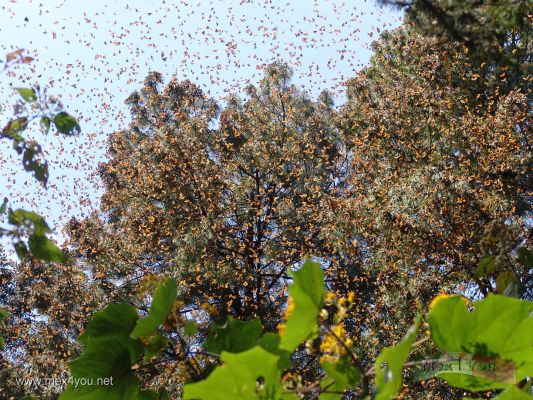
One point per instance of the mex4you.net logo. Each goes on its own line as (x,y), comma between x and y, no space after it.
(488,367)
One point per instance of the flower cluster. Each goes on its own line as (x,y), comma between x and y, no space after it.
(335,344)
(288,311)
(336,341)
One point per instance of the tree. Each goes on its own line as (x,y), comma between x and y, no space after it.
(226,207)
(393,195)
(440,159)
(495,30)
(426,169)
(38,319)
(49,306)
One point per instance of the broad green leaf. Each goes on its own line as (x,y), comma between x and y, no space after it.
(486,266)
(164,298)
(29,219)
(499,326)
(114,323)
(33,161)
(525,257)
(340,376)
(270,341)
(234,336)
(44,249)
(3,314)
(21,250)
(102,358)
(252,374)
(109,353)
(14,128)
(190,328)
(471,372)
(151,395)
(470,382)
(389,365)
(27,94)
(66,124)
(123,388)
(515,289)
(307,294)
(3,207)
(154,346)
(504,279)
(513,393)
(146,395)
(508,284)
(45,124)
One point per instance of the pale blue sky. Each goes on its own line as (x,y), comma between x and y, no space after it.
(94,53)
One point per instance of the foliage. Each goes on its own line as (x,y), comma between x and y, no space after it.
(33,104)
(420,184)
(29,234)
(498,327)
(442,141)
(493,29)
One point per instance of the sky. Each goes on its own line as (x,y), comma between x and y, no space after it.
(93,54)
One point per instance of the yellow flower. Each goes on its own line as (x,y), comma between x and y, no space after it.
(334,343)
(330,297)
(351,297)
(290,307)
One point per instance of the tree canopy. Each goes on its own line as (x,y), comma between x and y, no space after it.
(191,281)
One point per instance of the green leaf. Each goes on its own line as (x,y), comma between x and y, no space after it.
(525,257)
(3,207)
(499,326)
(3,314)
(164,298)
(504,279)
(270,341)
(486,265)
(29,219)
(21,250)
(470,382)
(190,328)
(45,124)
(108,355)
(515,289)
(146,395)
(234,336)
(27,94)
(33,160)
(114,323)
(389,365)
(14,128)
(123,388)
(307,293)
(44,249)
(252,374)
(340,376)
(66,124)
(512,393)
(508,284)
(154,346)
(102,358)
